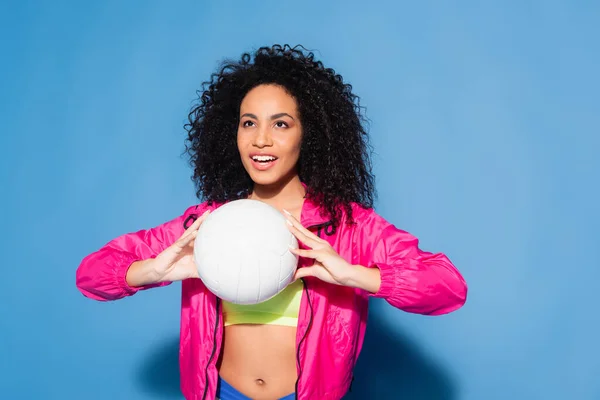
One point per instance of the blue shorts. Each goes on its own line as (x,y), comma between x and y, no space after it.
(227,392)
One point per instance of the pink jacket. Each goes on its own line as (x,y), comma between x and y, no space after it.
(332,320)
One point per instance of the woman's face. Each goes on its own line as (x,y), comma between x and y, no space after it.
(269,134)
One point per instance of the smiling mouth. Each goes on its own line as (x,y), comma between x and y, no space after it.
(263,159)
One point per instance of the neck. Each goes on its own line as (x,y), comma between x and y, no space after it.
(288,194)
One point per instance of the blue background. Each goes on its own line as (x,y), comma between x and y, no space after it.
(485,124)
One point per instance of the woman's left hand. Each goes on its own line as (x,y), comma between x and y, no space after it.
(328,265)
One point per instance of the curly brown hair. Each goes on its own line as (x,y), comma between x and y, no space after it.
(334,160)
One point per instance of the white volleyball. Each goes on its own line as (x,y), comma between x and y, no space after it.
(242,252)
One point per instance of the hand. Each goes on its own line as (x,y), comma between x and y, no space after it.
(176,262)
(328,265)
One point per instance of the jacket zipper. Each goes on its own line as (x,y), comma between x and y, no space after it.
(214,350)
(319,228)
(302,339)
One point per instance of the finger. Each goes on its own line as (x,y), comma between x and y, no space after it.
(303,234)
(194,227)
(190,233)
(198,222)
(295,223)
(302,237)
(304,253)
(304,272)
(187,239)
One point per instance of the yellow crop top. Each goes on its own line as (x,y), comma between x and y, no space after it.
(282,309)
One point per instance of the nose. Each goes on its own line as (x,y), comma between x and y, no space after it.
(262,138)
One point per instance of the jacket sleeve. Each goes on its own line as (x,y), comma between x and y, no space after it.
(101,274)
(412,279)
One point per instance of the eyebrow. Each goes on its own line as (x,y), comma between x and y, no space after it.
(274,116)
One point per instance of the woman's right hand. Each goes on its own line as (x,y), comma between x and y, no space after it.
(175,263)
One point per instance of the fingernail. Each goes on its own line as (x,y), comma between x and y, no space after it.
(287,212)
(289,223)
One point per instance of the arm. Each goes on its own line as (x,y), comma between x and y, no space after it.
(103,274)
(409,278)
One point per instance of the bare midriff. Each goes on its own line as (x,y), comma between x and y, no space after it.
(260,360)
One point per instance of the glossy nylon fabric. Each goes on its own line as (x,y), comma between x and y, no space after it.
(332,319)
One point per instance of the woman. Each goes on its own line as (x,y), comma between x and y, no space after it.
(279,127)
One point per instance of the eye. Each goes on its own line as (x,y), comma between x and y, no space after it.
(247,124)
(281,124)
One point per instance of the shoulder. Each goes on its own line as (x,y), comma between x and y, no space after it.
(196,210)
(365,217)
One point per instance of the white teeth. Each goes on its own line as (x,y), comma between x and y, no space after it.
(263,158)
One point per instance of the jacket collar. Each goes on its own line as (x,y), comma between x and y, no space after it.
(311,214)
